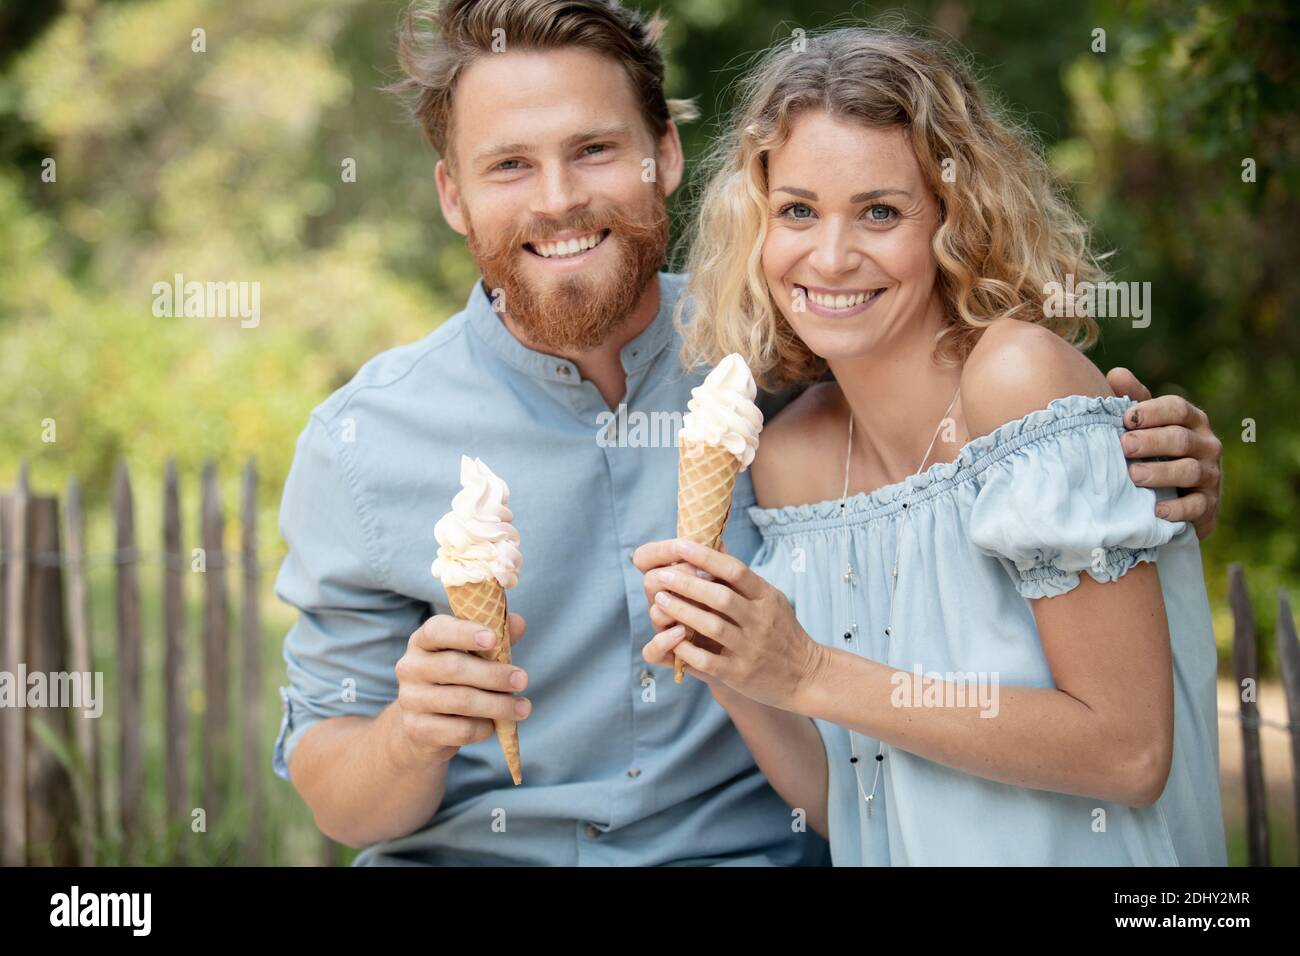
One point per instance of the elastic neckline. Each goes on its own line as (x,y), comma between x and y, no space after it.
(1071,411)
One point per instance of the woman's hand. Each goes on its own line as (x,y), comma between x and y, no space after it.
(761,651)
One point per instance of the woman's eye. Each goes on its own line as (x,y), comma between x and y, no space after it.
(796,210)
(881,214)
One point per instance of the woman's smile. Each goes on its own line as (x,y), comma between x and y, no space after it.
(837,303)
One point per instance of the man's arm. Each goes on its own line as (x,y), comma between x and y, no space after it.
(1172,427)
(378,702)
(369,779)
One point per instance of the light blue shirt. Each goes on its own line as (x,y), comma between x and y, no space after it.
(1019,514)
(620,765)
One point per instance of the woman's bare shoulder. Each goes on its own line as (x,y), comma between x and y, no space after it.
(799,449)
(1018,367)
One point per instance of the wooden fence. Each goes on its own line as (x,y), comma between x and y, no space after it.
(52,796)
(51,814)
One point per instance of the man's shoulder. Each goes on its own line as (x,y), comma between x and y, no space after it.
(674,290)
(397,368)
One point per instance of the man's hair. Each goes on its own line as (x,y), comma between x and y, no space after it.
(437,41)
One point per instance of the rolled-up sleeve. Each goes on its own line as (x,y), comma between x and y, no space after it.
(351,628)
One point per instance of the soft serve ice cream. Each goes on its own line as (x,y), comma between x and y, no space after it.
(478,559)
(476,539)
(718,440)
(722,412)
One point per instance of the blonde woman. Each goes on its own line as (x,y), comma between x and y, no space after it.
(968,637)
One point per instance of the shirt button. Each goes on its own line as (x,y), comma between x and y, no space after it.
(593,831)
(645,674)
(634,772)
(563,370)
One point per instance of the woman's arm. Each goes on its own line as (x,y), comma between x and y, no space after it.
(787,747)
(1105,730)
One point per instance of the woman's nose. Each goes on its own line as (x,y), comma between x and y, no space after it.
(833,252)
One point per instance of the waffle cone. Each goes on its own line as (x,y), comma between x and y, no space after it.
(706,478)
(484,602)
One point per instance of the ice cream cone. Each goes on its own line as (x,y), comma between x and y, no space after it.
(706,478)
(478,559)
(484,602)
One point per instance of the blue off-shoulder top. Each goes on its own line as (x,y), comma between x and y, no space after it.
(1020,514)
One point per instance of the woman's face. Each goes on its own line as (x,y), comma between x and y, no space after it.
(850,219)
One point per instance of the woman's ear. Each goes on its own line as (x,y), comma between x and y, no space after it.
(449,197)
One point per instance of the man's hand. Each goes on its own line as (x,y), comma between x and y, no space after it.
(1172,427)
(447,696)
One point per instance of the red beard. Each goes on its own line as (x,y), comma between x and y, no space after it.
(575,313)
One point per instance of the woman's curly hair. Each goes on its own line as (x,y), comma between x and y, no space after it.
(1006,229)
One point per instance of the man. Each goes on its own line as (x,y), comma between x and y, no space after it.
(557,153)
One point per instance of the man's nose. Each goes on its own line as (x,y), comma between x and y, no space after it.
(558,192)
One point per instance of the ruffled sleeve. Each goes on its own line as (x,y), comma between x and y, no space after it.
(1057,500)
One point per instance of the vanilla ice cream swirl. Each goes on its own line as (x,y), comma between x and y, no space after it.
(722,411)
(476,538)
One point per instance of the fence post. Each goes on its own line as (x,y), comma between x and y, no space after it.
(173,582)
(252,678)
(51,808)
(1245,660)
(81,651)
(216,717)
(131,770)
(1288,659)
(13,785)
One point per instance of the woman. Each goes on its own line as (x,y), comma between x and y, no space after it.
(958,588)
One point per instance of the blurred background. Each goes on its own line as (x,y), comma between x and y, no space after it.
(128,154)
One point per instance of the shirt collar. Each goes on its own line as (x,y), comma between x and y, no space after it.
(489,327)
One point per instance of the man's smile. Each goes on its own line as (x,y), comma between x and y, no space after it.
(567,248)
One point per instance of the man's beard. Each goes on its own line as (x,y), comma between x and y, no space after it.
(575,313)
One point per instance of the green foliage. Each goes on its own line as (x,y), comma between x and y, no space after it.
(1162,124)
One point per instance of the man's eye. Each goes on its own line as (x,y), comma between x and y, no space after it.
(594,149)
(881,214)
(797,211)
(508,165)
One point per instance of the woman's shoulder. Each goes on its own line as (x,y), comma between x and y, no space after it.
(808,430)
(1018,367)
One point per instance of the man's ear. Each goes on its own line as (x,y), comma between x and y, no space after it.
(449,197)
(669,161)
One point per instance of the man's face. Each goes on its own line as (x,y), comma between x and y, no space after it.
(561,189)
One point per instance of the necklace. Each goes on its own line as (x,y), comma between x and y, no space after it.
(849,579)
